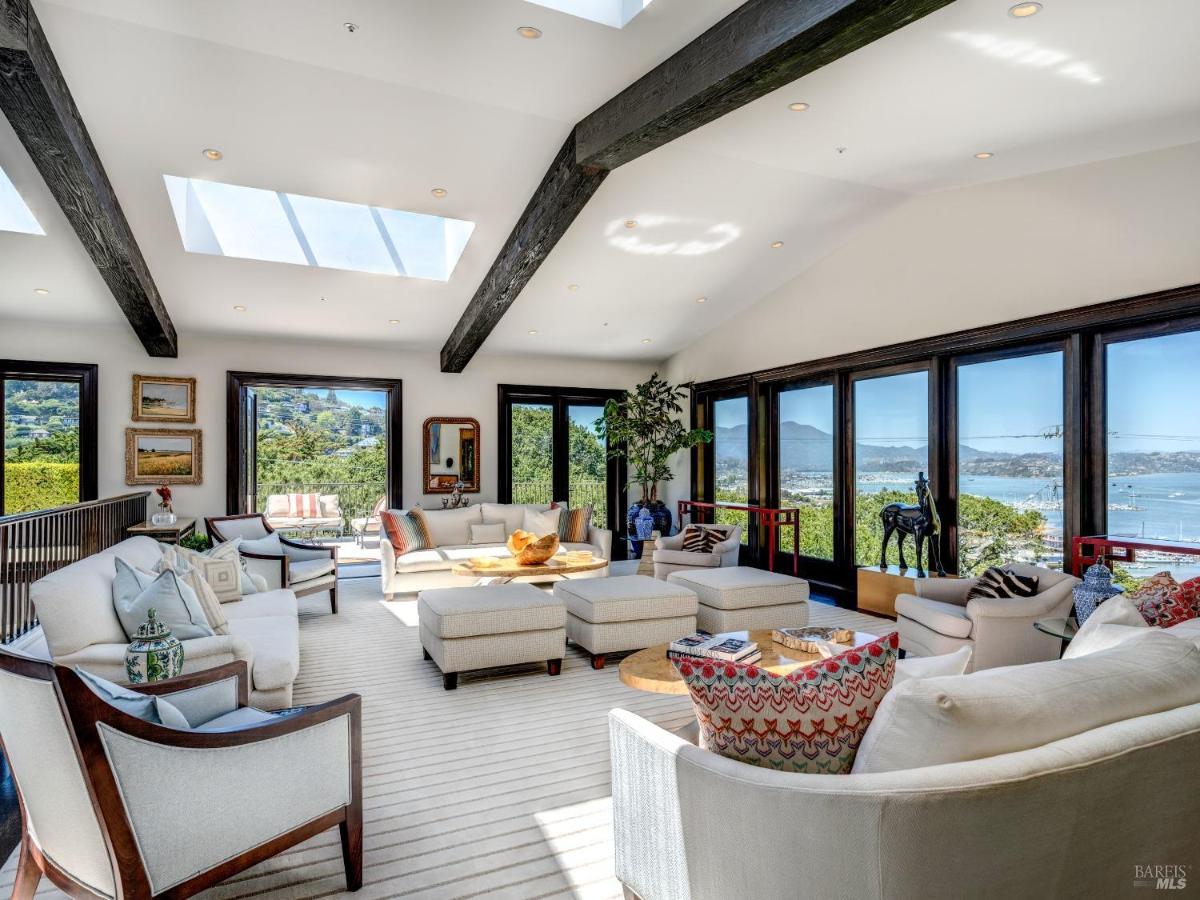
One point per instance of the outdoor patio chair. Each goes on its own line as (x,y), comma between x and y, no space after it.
(363,527)
(113,805)
(301,568)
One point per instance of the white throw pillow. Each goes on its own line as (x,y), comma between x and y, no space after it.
(542,523)
(487,533)
(931,666)
(932,721)
(452,527)
(1115,621)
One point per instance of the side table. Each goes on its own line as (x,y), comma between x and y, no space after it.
(167,534)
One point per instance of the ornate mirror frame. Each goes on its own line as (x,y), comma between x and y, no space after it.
(466,452)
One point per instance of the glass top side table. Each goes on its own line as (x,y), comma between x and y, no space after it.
(1058,627)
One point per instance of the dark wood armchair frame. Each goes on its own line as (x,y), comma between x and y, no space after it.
(84,710)
(213,525)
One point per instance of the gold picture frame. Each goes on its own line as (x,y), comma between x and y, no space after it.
(164,398)
(164,456)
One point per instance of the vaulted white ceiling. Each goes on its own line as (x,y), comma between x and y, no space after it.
(446,94)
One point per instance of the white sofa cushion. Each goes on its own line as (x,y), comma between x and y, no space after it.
(932,666)
(1189,631)
(308,569)
(541,523)
(931,721)
(421,561)
(511,514)
(687,558)
(452,526)
(276,643)
(1113,622)
(456,554)
(944,618)
(135,593)
(488,533)
(266,603)
(75,604)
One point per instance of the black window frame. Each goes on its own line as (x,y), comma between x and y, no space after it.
(87,376)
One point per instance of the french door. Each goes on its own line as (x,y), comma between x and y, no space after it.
(551,450)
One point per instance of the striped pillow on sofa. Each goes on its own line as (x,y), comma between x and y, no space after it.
(573,524)
(406,531)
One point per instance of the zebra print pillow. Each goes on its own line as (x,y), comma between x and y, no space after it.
(698,539)
(997,582)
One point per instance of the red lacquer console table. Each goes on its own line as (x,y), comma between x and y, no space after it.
(772,519)
(1087,550)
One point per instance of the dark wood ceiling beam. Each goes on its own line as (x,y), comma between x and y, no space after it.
(564,191)
(35,99)
(759,47)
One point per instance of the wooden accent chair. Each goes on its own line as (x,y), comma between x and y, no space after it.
(116,806)
(302,568)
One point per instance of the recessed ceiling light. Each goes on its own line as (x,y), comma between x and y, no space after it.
(350,27)
(322,299)
(439,192)
(645,340)
(529,32)
(1025,10)
(631,223)
(985,154)
(239,309)
(533,331)
(797,107)
(213,154)
(775,245)
(572,287)
(42,291)
(393,321)
(701,299)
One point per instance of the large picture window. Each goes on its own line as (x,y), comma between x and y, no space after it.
(1152,476)
(49,426)
(731,460)
(806,467)
(891,445)
(1010,462)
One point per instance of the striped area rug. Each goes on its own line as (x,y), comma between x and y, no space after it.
(498,789)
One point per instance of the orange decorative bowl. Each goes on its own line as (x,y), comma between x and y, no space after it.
(519,540)
(539,551)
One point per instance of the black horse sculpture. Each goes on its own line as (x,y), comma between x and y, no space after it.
(921,521)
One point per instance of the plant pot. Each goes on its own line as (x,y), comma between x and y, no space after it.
(662,517)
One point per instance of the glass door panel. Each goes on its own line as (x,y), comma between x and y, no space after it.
(587,461)
(1010,462)
(41,444)
(806,457)
(731,458)
(891,446)
(532,443)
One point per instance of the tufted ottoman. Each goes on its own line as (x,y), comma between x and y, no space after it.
(492,625)
(739,598)
(629,612)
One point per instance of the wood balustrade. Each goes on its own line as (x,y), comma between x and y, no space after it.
(32,545)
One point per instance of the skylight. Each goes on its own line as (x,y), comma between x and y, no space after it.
(14,214)
(252,223)
(615,13)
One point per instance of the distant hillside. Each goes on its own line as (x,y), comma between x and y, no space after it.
(804,448)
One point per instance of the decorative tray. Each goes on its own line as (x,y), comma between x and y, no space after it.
(809,640)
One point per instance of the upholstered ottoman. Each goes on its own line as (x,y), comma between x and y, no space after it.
(629,612)
(739,598)
(492,625)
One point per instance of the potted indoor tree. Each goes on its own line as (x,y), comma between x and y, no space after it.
(645,428)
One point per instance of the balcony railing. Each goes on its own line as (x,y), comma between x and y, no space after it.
(356,499)
(581,494)
(32,545)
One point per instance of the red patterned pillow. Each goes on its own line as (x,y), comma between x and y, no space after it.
(1151,594)
(406,531)
(809,721)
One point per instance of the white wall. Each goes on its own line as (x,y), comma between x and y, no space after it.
(427,392)
(975,256)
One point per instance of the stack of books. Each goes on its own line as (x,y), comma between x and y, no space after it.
(722,649)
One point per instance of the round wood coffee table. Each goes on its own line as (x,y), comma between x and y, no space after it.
(505,570)
(651,670)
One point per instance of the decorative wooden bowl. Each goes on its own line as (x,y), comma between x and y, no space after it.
(519,540)
(539,551)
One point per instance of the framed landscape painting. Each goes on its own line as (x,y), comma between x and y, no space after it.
(163,456)
(161,398)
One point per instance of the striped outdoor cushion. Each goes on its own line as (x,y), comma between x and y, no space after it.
(573,524)
(304,506)
(997,582)
(698,539)
(406,531)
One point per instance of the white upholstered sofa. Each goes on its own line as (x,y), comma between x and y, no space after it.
(1090,782)
(451,532)
(75,607)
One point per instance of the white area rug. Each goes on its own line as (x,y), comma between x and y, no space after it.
(497,789)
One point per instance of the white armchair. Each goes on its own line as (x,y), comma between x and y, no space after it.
(301,568)
(669,555)
(116,806)
(940,619)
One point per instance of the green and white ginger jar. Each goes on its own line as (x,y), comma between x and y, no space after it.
(155,654)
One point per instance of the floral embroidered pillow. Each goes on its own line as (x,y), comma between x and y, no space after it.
(811,720)
(1153,598)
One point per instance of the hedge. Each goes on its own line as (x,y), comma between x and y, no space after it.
(30,486)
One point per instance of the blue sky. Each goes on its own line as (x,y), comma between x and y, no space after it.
(1005,405)
(586,415)
(892,411)
(1152,390)
(376,399)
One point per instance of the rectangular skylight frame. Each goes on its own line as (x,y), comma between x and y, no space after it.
(15,214)
(613,13)
(232,220)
